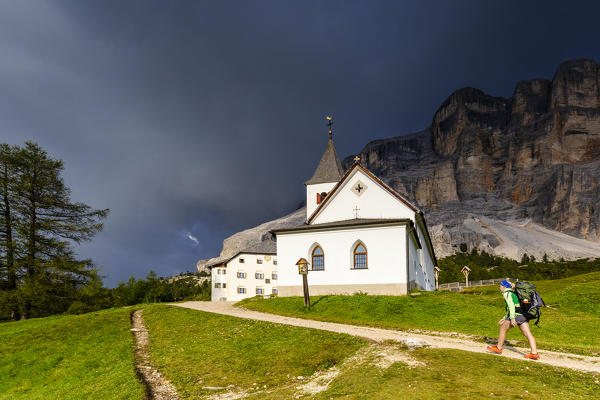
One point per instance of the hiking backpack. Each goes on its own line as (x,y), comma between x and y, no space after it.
(529,300)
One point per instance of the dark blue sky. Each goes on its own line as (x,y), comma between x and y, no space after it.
(190,118)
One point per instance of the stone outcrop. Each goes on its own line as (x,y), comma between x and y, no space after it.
(490,170)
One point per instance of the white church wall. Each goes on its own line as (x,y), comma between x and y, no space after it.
(412,264)
(386,261)
(311,195)
(374,202)
(426,259)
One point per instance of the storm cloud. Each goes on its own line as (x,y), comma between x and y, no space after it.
(193,120)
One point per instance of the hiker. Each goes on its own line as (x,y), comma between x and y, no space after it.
(512,318)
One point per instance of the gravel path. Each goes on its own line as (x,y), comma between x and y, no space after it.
(157,386)
(412,340)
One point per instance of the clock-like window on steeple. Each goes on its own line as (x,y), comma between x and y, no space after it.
(318,259)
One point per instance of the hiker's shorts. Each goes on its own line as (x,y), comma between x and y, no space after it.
(520,319)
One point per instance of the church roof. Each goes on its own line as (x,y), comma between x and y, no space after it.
(329,168)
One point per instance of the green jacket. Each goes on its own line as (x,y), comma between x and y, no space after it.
(513,307)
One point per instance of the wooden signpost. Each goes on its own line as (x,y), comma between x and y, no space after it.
(303,270)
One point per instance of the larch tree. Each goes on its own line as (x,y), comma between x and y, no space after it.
(8,222)
(48,225)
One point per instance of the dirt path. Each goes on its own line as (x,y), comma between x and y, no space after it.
(566,360)
(157,387)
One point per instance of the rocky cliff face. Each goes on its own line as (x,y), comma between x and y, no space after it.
(532,157)
(507,175)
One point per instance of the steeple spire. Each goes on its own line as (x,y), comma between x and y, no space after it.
(329,168)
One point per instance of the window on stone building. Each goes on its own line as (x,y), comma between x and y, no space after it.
(260,290)
(241,290)
(259,275)
(241,275)
(274,276)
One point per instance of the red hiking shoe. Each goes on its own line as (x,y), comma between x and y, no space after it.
(494,349)
(532,356)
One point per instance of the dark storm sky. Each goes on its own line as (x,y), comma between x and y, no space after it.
(192,120)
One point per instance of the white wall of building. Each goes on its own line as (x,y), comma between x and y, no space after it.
(219,279)
(249,264)
(374,202)
(311,195)
(386,252)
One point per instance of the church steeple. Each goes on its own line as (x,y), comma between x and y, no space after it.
(328,173)
(329,168)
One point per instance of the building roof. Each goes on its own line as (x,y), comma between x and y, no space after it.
(329,168)
(264,247)
(346,223)
(372,176)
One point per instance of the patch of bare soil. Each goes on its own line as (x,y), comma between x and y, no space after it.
(381,356)
(157,386)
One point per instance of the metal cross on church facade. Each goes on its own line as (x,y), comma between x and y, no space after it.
(329,124)
(356,209)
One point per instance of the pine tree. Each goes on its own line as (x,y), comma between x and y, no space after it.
(8,221)
(49,223)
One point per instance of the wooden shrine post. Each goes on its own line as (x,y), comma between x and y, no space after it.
(465,270)
(303,270)
(436,271)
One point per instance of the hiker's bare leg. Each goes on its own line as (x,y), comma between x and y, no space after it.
(502,333)
(527,332)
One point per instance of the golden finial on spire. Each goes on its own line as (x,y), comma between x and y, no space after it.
(356,158)
(329,123)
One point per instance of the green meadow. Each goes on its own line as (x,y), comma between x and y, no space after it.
(570,323)
(87,356)
(204,355)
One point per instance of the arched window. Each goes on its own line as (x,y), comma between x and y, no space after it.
(360,256)
(318,259)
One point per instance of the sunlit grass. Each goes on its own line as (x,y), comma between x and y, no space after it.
(570,324)
(86,356)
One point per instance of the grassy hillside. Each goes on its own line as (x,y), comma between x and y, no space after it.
(197,349)
(203,355)
(570,324)
(262,361)
(69,357)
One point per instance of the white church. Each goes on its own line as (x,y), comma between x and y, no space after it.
(360,235)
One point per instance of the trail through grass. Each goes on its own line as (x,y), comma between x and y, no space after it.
(86,356)
(260,360)
(570,324)
(196,350)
